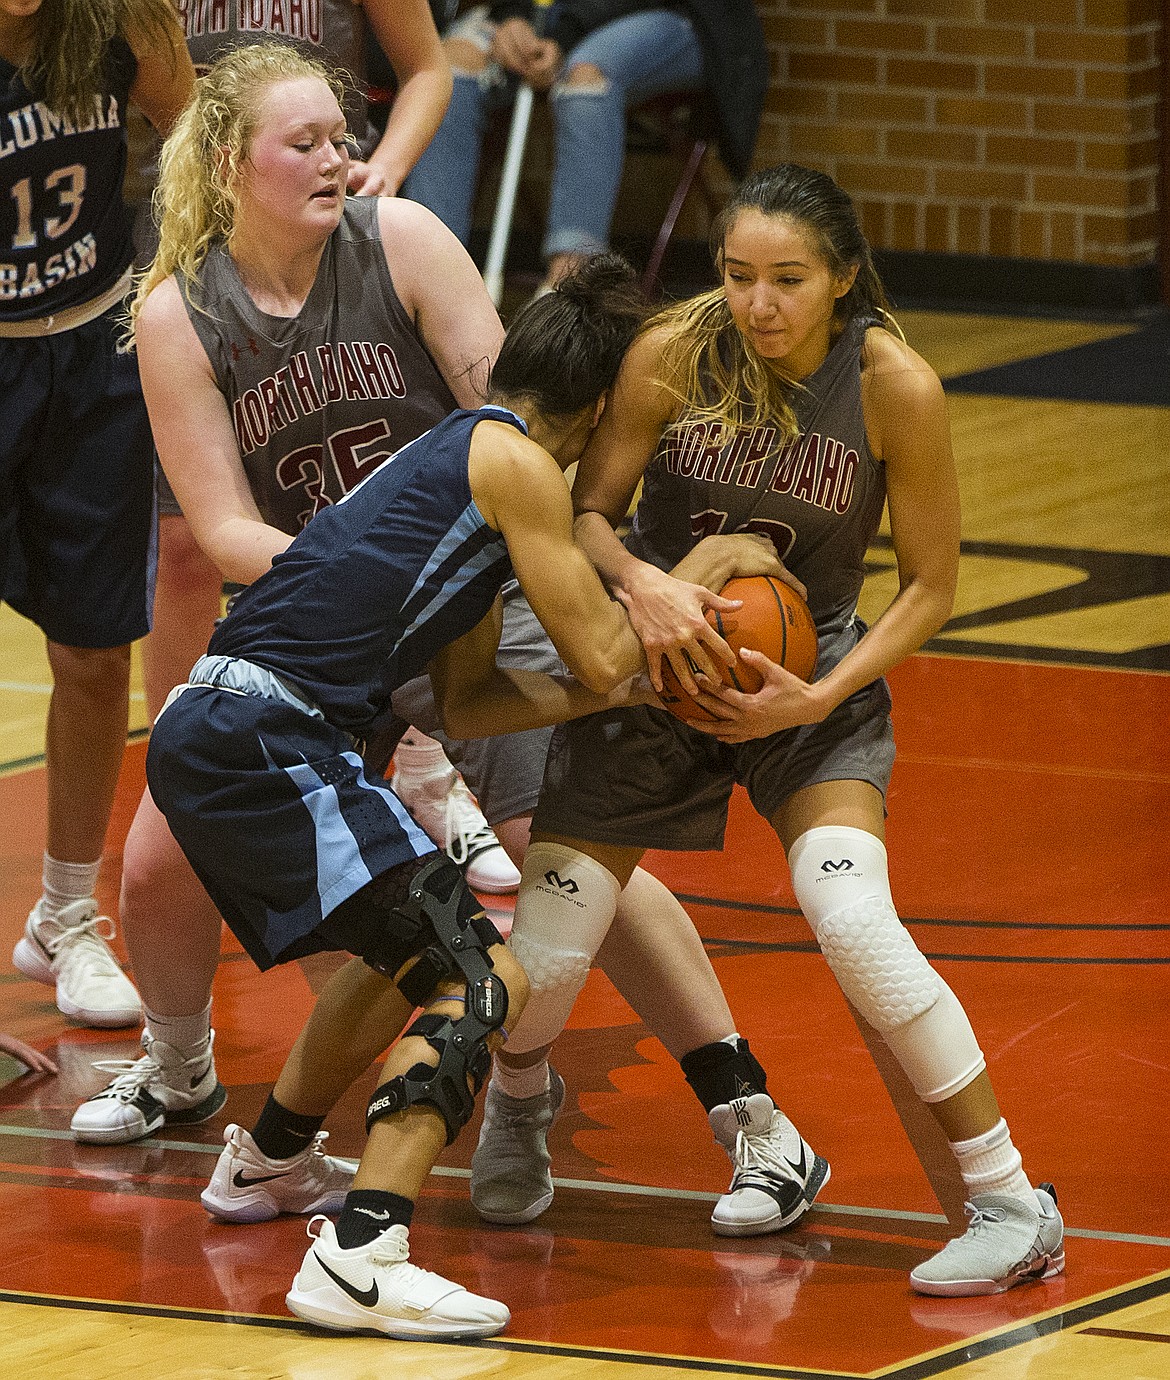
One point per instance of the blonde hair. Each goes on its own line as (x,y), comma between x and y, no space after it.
(708,365)
(66,68)
(196,199)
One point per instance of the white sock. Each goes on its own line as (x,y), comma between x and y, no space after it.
(521,1082)
(418,758)
(990,1163)
(65,882)
(188,1034)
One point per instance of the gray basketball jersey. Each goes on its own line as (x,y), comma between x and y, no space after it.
(819,496)
(321,399)
(332,31)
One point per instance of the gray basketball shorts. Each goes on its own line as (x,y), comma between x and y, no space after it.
(640,778)
(503,773)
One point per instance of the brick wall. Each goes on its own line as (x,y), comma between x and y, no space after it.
(1022,128)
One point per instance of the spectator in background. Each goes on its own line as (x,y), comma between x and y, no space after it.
(595,58)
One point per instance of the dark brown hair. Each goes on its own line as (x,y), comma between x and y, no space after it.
(563,349)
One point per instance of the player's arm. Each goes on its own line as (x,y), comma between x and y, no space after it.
(196,442)
(406,31)
(909,430)
(443,292)
(666,610)
(165,77)
(522,494)
(478,699)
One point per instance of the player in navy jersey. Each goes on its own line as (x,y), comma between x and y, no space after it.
(781,402)
(256,764)
(76,493)
(295,339)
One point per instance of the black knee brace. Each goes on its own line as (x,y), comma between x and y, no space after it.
(438,908)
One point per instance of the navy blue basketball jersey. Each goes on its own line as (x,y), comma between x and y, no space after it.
(65,232)
(378,583)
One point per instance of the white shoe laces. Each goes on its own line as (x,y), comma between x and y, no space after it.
(760,1151)
(133,1076)
(80,942)
(465,826)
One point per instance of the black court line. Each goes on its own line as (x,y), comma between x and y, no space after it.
(963,1352)
(764,946)
(686,898)
(1132,370)
(1108,577)
(1121,1335)
(135,735)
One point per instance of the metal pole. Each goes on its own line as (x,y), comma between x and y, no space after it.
(493,270)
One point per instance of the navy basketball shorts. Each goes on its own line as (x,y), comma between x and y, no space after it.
(274,811)
(640,778)
(77,528)
(503,773)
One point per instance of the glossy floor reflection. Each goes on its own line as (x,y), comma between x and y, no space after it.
(1027,817)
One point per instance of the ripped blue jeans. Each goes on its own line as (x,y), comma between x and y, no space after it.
(639,56)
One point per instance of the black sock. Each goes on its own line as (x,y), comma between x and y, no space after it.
(367,1213)
(720,1072)
(281,1134)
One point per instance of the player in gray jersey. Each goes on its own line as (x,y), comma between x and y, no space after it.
(187,599)
(783,403)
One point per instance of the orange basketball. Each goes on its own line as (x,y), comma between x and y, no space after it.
(773,619)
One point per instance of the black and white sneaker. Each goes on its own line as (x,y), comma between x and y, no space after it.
(777,1173)
(165,1085)
(247,1186)
(376,1286)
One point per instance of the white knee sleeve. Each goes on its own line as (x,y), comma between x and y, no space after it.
(841,881)
(564,910)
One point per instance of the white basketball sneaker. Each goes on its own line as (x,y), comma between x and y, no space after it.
(376,1286)
(445,808)
(165,1085)
(249,1187)
(1008,1242)
(777,1173)
(69,952)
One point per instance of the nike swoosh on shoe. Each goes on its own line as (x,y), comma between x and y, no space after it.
(802,1167)
(241,1182)
(368,1298)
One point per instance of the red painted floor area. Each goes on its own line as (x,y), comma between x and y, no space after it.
(1025,839)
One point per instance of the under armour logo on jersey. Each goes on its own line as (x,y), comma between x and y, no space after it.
(843,866)
(253,346)
(567,884)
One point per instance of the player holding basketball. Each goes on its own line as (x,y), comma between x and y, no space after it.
(781,403)
(77,511)
(256,766)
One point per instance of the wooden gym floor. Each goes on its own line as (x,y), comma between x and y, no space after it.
(1028,814)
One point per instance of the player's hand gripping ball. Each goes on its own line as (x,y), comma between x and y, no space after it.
(773,619)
